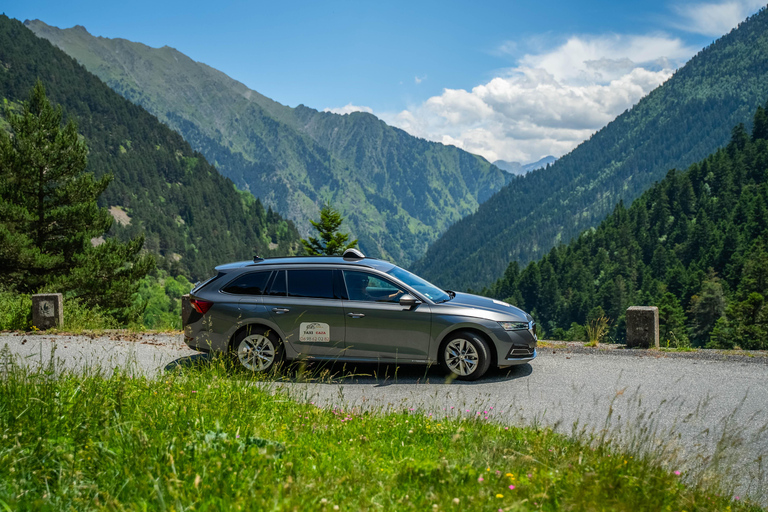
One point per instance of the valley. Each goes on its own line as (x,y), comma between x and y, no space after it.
(397,192)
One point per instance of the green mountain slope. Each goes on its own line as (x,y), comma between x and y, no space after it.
(679,123)
(397,192)
(193,217)
(696,242)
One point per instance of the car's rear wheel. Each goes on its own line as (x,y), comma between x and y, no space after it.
(465,355)
(258,349)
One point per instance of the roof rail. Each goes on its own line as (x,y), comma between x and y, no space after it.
(353,255)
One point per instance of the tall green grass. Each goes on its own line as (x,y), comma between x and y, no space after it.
(207,438)
(15,311)
(597,330)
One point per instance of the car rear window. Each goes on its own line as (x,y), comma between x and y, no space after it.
(248,284)
(199,286)
(317,284)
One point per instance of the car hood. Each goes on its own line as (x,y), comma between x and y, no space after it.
(484,303)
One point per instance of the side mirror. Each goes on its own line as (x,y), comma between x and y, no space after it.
(409,300)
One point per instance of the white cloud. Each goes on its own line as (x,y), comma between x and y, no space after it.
(508,47)
(348,109)
(603,58)
(715,19)
(549,102)
(419,79)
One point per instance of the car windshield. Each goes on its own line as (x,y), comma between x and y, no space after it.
(425,288)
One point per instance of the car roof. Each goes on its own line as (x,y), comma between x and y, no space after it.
(381,265)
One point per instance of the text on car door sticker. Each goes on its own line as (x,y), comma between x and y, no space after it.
(315,332)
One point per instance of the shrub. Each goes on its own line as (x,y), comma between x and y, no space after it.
(79,317)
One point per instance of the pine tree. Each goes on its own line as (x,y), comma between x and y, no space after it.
(707,307)
(331,242)
(755,272)
(745,325)
(739,138)
(49,219)
(760,125)
(673,331)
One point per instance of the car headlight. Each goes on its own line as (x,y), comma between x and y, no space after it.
(515,326)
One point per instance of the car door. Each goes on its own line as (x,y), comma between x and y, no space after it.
(242,297)
(378,327)
(307,309)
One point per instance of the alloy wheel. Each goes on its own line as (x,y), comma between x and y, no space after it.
(256,352)
(461,357)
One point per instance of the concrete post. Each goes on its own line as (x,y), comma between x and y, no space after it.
(47,310)
(643,326)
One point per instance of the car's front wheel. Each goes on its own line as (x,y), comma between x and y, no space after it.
(258,349)
(465,355)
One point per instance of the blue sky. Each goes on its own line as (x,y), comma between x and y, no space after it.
(513,80)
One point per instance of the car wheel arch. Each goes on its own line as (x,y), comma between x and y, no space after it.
(474,330)
(258,347)
(248,325)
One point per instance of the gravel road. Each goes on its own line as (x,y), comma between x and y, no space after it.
(687,402)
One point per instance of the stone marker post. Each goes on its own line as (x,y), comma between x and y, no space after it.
(47,310)
(643,326)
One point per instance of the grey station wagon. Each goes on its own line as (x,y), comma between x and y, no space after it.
(352,309)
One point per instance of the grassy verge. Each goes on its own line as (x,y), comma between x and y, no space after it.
(207,439)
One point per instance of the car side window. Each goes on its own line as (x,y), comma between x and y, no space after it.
(248,284)
(368,287)
(277,288)
(314,283)
(339,288)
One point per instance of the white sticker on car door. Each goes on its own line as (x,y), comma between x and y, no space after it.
(315,332)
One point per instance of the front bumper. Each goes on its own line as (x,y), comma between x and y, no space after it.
(515,360)
(519,347)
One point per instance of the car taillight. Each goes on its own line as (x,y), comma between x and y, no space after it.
(201,306)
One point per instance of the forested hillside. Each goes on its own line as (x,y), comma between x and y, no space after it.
(695,245)
(396,192)
(193,218)
(679,123)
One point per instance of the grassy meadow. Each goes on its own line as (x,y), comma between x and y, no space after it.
(210,438)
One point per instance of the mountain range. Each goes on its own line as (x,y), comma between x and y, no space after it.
(192,216)
(695,245)
(677,124)
(398,193)
(518,168)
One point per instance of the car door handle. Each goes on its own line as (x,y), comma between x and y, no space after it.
(355,315)
(280,311)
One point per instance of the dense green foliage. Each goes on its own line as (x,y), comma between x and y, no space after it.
(331,242)
(397,192)
(160,296)
(191,216)
(209,440)
(679,123)
(158,300)
(695,245)
(49,216)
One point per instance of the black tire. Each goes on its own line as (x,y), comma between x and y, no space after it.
(465,355)
(257,349)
